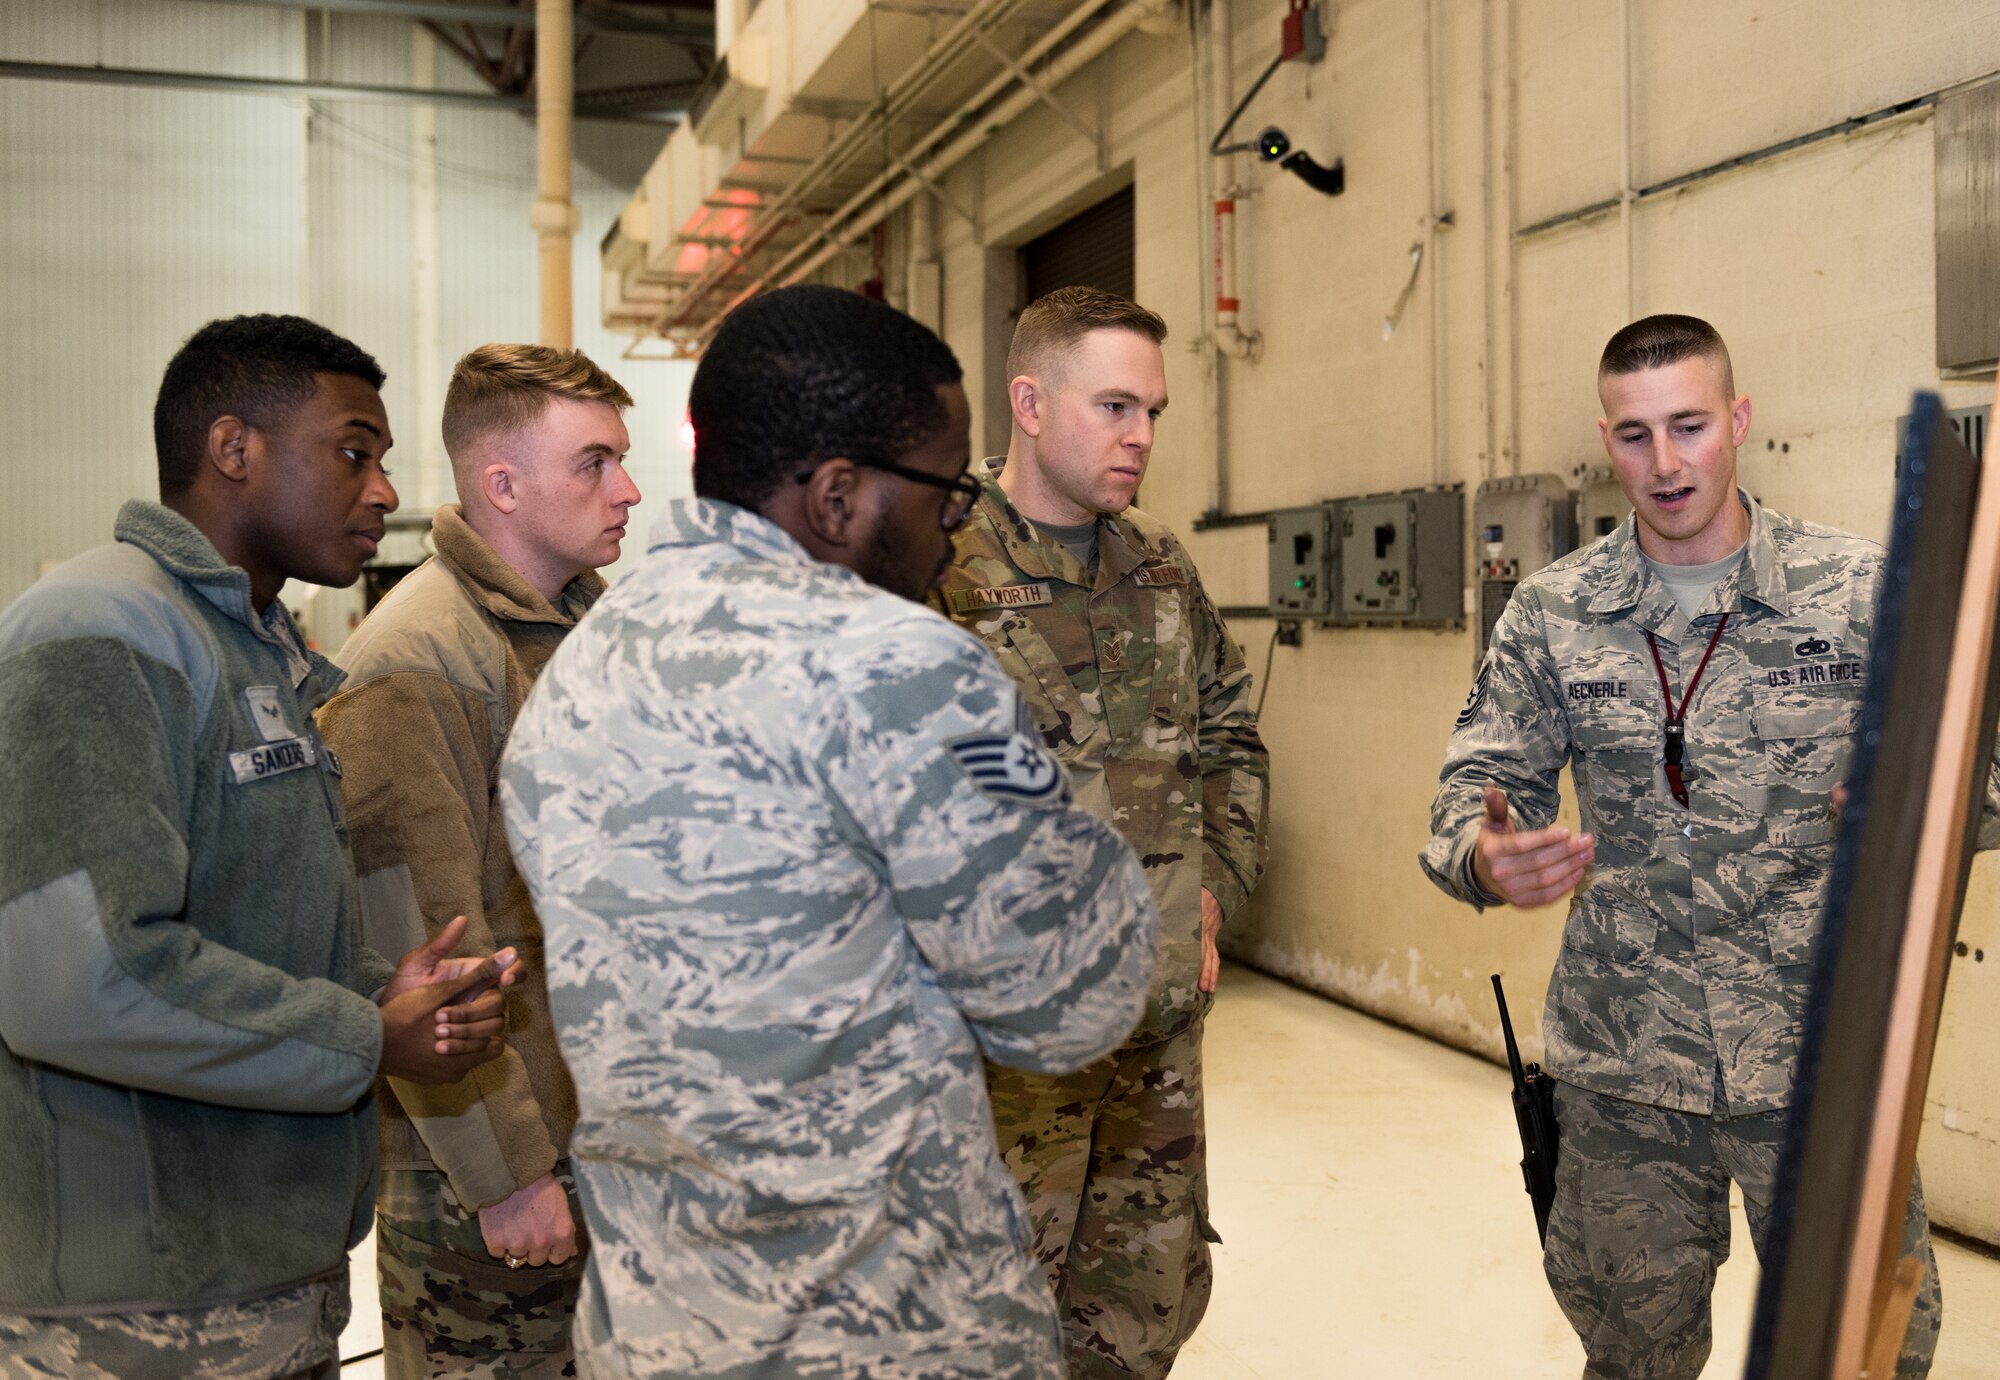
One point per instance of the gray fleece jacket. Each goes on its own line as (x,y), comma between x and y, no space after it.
(186,1052)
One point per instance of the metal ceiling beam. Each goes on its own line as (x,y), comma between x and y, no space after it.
(690,29)
(323,90)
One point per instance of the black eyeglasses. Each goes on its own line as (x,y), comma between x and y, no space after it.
(964,489)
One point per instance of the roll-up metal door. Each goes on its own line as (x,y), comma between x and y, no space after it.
(1091,249)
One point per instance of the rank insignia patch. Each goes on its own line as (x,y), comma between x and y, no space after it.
(1473,700)
(1009,766)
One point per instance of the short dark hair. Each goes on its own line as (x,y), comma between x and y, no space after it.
(1053,323)
(805,374)
(259,368)
(1653,342)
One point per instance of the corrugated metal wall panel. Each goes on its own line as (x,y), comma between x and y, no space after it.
(132,216)
(129,221)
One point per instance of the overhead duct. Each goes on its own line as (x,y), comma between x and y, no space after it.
(708,243)
(891,192)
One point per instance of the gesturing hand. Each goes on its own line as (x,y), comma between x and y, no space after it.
(1528,869)
(533,1225)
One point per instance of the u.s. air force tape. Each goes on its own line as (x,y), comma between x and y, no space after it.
(1009,766)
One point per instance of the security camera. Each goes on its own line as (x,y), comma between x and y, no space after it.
(1274,147)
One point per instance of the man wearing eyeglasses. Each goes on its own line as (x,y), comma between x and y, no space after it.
(800,864)
(1136,686)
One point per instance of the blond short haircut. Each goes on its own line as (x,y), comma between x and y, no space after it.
(1055,323)
(501,388)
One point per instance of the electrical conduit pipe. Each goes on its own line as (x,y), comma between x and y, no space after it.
(1229,335)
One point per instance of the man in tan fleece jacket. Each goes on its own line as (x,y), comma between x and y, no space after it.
(477,1243)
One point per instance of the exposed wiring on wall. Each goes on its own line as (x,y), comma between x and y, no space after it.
(1403,298)
(1216,145)
(1264,685)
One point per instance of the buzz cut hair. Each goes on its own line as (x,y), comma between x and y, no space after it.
(1654,342)
(262,369)
(1055,323)
(503,388)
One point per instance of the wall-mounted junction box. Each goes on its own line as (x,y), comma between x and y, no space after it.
(1302,572)
(1520,523)
(1600,505)
(1401,558)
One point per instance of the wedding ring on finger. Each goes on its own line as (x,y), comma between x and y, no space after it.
(515,1262)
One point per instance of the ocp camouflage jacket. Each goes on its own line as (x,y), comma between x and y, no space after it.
(1139,690)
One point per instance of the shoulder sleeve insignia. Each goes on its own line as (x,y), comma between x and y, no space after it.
(1014,767)
(1475,699)
(1159,575)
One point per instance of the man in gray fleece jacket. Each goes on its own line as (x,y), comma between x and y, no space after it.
(189,1026)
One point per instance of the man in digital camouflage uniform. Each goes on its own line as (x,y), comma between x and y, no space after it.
(800,864)
(477,1244)
(1674,1015)
(190,1027)
(1098,614)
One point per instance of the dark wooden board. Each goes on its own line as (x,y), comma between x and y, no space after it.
(1817,1209)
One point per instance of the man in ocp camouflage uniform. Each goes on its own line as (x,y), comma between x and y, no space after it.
(799,865)
(1701,670)
(1098,614)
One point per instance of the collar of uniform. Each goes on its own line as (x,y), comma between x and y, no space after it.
(1034,555)
(1117,559)
(495,585)
(1627,583)
(185,552)
(702,521)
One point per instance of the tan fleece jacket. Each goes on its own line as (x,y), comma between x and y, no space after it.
(435,677)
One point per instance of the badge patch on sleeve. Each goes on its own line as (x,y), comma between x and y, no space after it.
(1475,699)
(1009,766)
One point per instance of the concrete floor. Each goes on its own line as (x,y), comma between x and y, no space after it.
(1364,1181)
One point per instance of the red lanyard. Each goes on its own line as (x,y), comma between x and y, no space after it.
(1677,719)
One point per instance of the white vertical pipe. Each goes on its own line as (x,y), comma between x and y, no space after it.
(1489,218)
(1230,338)
(1511,144)
(1434,126)
(555,216)
(433,472)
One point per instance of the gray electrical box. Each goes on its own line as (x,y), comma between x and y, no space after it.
(1966,138)
(1401,558)
(1600,505)
(1302,579)
(1519,524)
(1969,422)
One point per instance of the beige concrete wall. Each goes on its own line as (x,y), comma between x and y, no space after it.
(1817,266)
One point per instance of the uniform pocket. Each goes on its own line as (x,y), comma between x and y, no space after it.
(1622,929)
(1619,746)
(1807,738)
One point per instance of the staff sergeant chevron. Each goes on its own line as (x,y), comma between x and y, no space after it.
(1010,767)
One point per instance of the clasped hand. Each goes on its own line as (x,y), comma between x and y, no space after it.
(442,1017)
